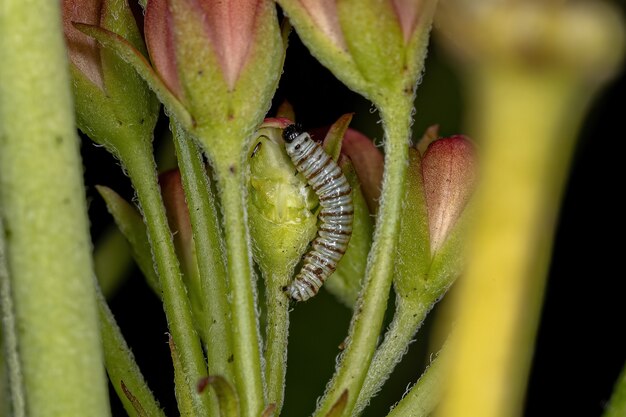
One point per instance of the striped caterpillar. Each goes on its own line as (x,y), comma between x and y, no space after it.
(337,212)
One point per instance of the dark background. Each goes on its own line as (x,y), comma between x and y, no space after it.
(580,348)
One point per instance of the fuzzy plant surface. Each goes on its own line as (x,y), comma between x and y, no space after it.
(294,208)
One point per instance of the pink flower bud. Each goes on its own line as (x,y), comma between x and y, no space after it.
(449,172)
(226,31)
(83,50)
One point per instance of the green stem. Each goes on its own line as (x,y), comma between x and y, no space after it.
(48,249)
(407,320)
(370,309)
(208,243)
(617,404)
(424,396)
(9,354)
(121,365)
(277,332)
(142,171)
(247,359)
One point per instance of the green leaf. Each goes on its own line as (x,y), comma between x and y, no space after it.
(123,371)
(133,228)
(334,137)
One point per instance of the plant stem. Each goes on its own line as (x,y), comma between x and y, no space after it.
(277,332)
(617,404)
(10,355)
(121,365)
(424,396)
(247,359)
(407,320)
(48,250)
(370,308)
(527,144)
(207,239)
(142,171)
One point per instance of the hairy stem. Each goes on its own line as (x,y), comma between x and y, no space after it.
(246,346)
(370,308)
(277,333)
(407,320)
(142,171)
(424,396)
(207,239)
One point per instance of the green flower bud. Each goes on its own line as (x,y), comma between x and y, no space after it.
(114,106)
(280,205)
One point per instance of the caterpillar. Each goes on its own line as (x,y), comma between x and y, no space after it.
(336,214)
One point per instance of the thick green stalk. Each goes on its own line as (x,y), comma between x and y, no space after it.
(142,171)
(208,242)
(8,333)
(246,346)
(277,332)
(526,148)
(48,249)
(121,365)
(370,309)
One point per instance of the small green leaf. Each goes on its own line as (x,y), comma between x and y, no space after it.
(133,228)
(334,137)
(123,371)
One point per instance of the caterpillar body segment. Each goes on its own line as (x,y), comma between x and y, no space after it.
(336,215)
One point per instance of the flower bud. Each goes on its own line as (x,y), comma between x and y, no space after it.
(280,205)
(374,47)
(113,104)
(449,172)
(222,59)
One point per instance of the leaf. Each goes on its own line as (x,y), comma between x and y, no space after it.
(334,137)
(123,371)
(133,228)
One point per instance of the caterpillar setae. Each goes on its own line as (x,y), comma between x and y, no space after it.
(336,214)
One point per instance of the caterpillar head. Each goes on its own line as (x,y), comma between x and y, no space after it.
(291,132)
